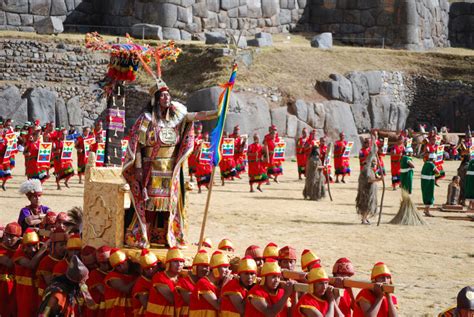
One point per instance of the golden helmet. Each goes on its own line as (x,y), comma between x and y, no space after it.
(74,242)
(308,257)
(117,257)
(270,251)
(201,258)
(147,259)
(174,254)
(317,274)
(226,245)
(219,259)
(247,264)
(30,237)
(380,269)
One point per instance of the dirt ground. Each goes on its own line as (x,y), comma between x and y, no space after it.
(429,264)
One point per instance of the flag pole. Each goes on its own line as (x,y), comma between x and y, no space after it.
(206,209)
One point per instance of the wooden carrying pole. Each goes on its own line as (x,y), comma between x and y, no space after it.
(302,286)
(206,209)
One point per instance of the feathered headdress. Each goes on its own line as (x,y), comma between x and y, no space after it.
(31,186)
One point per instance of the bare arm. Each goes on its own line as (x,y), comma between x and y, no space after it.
(212,299)
(202,115)
(392,309)
(271,311)
(238,303)
(52,304)
(166,292)
(119,285)
(310,312)
(143,298)
(185,295)
(34,220)
(6,261)
(32,264)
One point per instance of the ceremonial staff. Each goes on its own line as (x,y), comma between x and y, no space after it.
(327,159)
(379,167)
(216,142)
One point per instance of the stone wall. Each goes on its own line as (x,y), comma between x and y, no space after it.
(461,24)
(420,24)
(62,74)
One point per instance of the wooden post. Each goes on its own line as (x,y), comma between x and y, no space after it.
(206,209)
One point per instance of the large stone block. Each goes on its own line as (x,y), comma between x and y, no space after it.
(360,87)
(215,38)
(147,31)
(229,4)
(41,105)
(344,87)
(167,14)
(74,112)
(361,117)
(171,34)
(270,8)
(12,105)
(379,110)
(291,125)
(329,88)
(40,7)
(299,109)
(200,10)
(323,41)
(374,81)
(185,14)
(285,16)
(13,19)
(14,6)
(339,119)
(278,117)
(26,19)
(61,113)
(290,150)
(58,7)
(213,5)
(49,25)
(316,115)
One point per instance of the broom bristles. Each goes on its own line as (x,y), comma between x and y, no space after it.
(407,214)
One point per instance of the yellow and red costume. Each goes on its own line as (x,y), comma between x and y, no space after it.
(323,151)
(158,305)
(308,259)
(310,300)
(343,267)
(26,293)
(193,159)
(274,166)
(96,279)
(396,155)
(117,303)
(341,163)
(234,287)
(143,284)
(366,295)
(186,284)
(63,168)
(73,243)
(239,153)
(7,275)
(257,168)
(258,292)
(33,168)
(270,251)
(301,154)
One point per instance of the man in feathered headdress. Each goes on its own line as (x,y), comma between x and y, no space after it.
(160,142)
(33,214)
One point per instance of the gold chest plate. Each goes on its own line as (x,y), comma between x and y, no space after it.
(168,136)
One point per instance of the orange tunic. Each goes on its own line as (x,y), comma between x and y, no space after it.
(185,284)
(310,301)
(158,305)
(369,297)
(7,285)
(199,306)
(26,293)
(96,278)
(259,293)
(64,306)
(117,304)
(233,287)
(45,266)
(141,287)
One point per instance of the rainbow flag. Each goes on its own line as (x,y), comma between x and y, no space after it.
(100,153)
(87,146)
(279,151)
(216,134)
(44,153)
(347,151)
(68,147)
(11,146)
(206,154)
(228,147)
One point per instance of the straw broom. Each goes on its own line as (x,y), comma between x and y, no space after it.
(407,214)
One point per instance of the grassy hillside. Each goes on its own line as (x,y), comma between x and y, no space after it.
(292,65)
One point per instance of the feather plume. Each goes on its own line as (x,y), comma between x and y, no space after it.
(31,186)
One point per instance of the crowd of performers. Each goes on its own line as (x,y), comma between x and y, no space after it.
(44,260)
(47,149)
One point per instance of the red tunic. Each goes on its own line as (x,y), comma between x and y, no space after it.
(117,304)
(239,154)
(81,155)
(141,287)
(7,285)
(62,168)
(193,159)
(257,169)
(199,306)
(301,155)
(345,304)
(369,297)
(45,266)
(233,287)
(323,150)
(5,166)
(363,155)
(259,293)
(274,167)
(310,301)
(96,278)
(185,284)
(227,165)
(33,168)
(158,305)
(26,293)
(341,163)
(60,268)
(395,159)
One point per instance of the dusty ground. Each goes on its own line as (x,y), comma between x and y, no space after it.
(429,264)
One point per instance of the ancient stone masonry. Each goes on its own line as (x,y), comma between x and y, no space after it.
(62,75)
(412,24)
(420,24)
(461,24)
